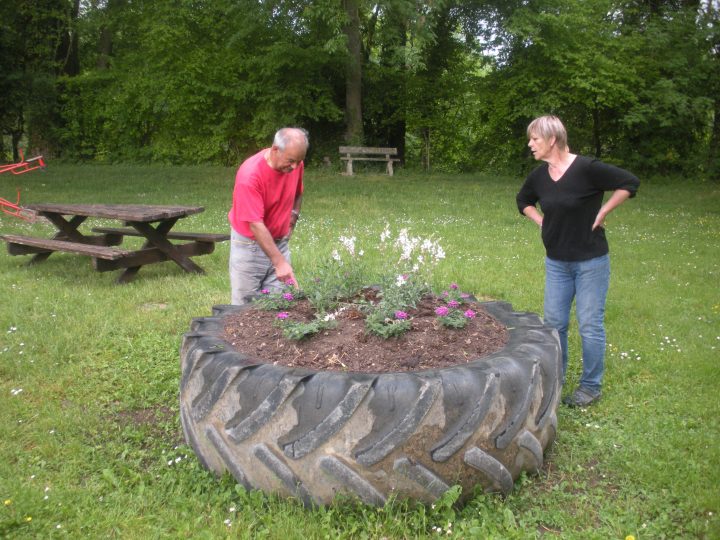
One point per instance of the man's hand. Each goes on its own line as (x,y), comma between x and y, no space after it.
(285,274)
(283,270)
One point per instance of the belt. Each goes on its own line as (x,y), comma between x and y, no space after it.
(245,241)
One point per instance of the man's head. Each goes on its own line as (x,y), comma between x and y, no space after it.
(288,149)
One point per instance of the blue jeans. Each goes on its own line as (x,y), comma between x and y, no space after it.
(587,282)
(250,269)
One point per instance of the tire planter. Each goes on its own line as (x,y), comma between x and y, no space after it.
(315,434)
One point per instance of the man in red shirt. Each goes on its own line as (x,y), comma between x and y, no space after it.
(265,208)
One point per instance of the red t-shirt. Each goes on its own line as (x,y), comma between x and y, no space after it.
(263,194)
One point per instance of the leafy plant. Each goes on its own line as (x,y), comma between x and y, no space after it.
(282,299)
(384,324)
(297,330)
(338,276)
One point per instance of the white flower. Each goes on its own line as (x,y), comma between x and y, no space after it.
(349,243)
(401,280)
(336,255)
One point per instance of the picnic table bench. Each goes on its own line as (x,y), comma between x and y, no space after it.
(367,153)
(102,247)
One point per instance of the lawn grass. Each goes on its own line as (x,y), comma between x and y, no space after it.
(90,441)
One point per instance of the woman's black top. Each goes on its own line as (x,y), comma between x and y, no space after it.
(571,205)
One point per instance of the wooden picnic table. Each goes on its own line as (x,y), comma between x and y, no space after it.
(152,222)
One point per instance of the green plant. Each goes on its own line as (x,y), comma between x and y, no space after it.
(281,299)
(384,323)
(339,275)
(298,330)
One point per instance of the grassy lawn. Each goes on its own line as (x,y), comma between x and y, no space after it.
(90,440)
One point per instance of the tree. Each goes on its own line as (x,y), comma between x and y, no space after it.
(353,81)
(34,48)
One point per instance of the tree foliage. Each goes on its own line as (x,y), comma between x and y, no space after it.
(451,83)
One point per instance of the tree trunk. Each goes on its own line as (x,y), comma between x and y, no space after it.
(68,55)
(596,132)
(713,161)
(104,48)
(353,80)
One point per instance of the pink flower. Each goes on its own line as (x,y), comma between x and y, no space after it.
(401,315)
(464,296)
(441,311)
(290,281)
(470,314)
(265,291)
(289,297)
(283,315)
(453,303)
(453,286)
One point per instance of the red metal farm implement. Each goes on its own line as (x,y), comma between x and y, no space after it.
(21,167)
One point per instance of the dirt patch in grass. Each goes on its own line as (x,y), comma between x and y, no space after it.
(160,422)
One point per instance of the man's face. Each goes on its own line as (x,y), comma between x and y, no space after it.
(287,160)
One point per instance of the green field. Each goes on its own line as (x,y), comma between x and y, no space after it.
(90,440)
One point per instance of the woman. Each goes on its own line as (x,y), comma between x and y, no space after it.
(570,189)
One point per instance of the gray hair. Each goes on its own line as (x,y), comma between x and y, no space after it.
(547,127)
(286,135)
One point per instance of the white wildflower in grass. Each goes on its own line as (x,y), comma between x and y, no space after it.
(16,391)
(406,244)
(385,235)
(349,244)
(336,256)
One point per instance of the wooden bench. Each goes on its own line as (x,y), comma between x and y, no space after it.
(26,245)
(197,237)
(367,153)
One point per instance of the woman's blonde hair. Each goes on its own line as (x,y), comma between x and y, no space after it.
(547,127)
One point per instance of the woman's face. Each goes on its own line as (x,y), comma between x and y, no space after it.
(540,147)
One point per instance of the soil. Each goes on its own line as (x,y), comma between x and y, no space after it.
(348,347)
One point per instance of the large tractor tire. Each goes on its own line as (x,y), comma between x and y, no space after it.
(315,434)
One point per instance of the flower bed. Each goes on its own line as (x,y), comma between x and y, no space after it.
(348,345)
(337,388)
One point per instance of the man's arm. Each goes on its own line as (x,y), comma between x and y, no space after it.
(295,214)
(283,270)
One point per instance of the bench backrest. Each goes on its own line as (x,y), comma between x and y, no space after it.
(364,150)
